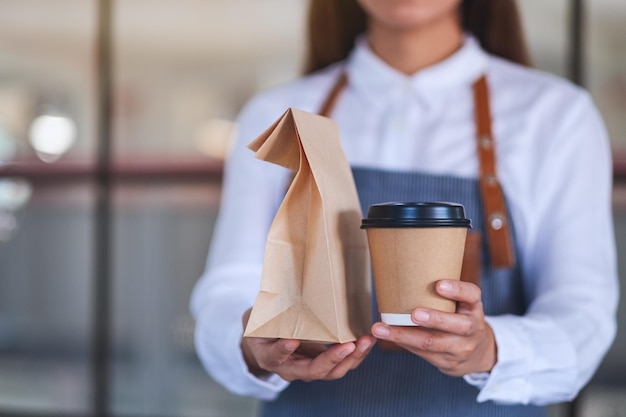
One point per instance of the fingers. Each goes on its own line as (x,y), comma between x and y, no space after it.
(339,359)
(309,350)
(421,340)
(414,339)
(461,291)
(449,353)
(292,359)
(323,365)
(362,347)
(466,294)
(456,343)
(464,321)
(460,324)
(283,357)
(270,354)
(277,353)
(264,355)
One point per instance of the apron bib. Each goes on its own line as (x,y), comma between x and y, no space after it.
(396,383)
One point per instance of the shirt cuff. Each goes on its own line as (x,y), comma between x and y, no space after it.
(219,349)
(267,387)
(533,356)
(478,379)
(505,384)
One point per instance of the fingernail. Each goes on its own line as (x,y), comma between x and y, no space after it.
(345,352)
(364,347)
(381,331)
(445,286)
(421,316)
(291,346)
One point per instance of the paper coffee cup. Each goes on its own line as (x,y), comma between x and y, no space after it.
(412,246)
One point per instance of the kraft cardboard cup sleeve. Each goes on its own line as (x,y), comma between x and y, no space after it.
(412,246)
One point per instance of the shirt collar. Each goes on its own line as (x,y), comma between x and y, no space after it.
(374,78)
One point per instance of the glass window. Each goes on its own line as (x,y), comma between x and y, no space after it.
(546,31)
(606,65)
(162,231)
(47,81)
(45,291)
(177,95)
(46,136)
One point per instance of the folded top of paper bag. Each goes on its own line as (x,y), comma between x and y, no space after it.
(316,273)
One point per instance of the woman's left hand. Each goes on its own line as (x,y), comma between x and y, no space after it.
(456,343)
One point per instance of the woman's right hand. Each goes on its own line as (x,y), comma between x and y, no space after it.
(293,359)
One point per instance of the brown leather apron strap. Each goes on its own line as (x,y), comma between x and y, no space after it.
(497,226)
(333,95)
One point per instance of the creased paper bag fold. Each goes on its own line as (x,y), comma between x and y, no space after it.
(316,273)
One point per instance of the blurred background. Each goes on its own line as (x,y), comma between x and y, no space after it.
(115,117)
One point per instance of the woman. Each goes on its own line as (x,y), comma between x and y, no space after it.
(430,96)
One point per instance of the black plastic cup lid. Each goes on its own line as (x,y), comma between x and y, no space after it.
(399,214)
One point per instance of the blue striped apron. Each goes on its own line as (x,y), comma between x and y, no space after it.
(398,383)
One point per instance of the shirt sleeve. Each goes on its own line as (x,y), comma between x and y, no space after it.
(569,262)
(252,191)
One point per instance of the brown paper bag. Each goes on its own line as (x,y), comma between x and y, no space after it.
(316,273)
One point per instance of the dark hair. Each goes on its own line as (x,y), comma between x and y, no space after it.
(334,25)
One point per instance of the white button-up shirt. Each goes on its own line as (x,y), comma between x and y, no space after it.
(554,163)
